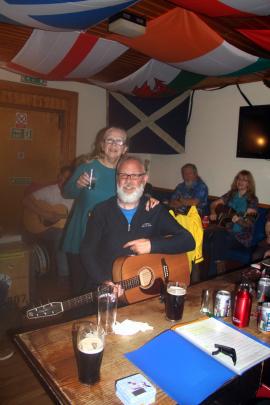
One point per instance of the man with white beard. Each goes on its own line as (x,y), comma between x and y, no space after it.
(121,226)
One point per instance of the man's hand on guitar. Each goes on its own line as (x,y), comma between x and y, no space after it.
(139,246)
(213,217)
(235,219)
(117,287)
(251,211)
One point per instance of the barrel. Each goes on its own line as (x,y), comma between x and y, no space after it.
(40,259)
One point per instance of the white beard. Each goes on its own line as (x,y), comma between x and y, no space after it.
(130,198)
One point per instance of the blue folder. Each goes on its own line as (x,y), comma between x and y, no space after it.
(184,372)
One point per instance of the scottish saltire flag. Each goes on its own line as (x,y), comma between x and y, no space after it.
(217,8)
(60,14)
(152,80)
(183,40)
(65,55)
(156,126)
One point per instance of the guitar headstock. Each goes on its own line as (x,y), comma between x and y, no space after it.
(45,311)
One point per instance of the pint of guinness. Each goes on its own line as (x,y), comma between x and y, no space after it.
(174,300)
(90,346)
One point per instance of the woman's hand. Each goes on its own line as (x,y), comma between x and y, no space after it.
(151,203)
(83,180)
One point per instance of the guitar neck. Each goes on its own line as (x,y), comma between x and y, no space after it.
(79,301)
(92,296)
(130,283)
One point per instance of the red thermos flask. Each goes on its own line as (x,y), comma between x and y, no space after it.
(242,306)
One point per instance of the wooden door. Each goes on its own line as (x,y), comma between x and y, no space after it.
(29,154)
(35,141)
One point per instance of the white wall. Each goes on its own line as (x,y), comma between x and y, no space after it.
(210,141)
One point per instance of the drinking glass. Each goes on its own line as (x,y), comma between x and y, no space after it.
(88,344)
(92,180)
(107,307)
(175,294)
(207,302)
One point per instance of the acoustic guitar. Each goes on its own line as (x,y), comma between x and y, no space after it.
(36,224)
(225,214)
(141,277)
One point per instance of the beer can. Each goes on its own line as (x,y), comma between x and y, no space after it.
(263,289)
(264,318)
(222,304)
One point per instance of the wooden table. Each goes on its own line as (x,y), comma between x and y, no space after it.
(49,350)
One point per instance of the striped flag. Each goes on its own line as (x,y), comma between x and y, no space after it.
(73,55)
(260,36)
(217,8)
(61,14)
(65,55)
(183,40)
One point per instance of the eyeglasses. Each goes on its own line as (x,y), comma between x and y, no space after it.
(111,141)
(133,176)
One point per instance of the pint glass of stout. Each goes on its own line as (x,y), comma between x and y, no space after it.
(174,300)
(90,346)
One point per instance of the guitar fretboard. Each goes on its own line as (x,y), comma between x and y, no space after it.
(92,296)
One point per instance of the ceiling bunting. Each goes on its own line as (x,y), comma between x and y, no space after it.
(244,17)
(60,15)
(68,55)
(183,40)
(217,8)
(233,31)
(154,79)
(260,37)
(260,65)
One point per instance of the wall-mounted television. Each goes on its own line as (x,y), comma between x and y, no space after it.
(254,132)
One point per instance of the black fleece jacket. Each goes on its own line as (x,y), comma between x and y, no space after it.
(108,230)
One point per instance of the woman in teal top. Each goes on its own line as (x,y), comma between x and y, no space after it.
(110,145)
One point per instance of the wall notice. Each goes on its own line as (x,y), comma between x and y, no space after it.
(24,134)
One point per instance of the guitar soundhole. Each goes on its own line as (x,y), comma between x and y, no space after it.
(146,277)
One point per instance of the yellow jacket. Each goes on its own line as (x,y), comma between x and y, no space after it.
(193,223)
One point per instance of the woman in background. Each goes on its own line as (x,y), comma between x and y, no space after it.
(238,232)
(109,146)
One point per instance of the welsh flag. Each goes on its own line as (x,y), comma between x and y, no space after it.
(154,79)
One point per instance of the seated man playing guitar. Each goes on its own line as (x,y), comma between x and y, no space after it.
(242,204)
(121,226)
(45,214)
